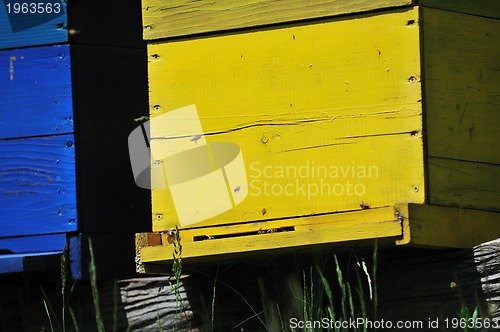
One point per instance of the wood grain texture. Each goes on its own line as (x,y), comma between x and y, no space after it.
(488,8)
(464,184)
(462,84)
(37,186)
(243,239)
(33,244)
(35,94)
(439,226)
(51,30)
(330,95)
(179,18)
(31,253)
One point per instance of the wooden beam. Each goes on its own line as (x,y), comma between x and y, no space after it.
(181,17)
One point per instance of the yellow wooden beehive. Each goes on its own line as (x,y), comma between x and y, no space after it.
(381,124)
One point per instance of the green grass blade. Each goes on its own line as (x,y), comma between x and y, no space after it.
(95,291)
(342,288)
(49,309)
(74,320)
(48,315)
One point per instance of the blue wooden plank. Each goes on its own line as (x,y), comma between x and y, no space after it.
(75,257)
(37,186)
(36,27)
(26,262)
(32,244)
(35,92)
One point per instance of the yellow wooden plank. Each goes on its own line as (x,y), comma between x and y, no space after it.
(366,224)
(488,8)
(335,96)
(369,215)
(464,184)
(441,226)
(462,85)
(163,19)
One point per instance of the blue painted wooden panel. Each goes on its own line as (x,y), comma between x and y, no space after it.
(32,244)
(20,254)
(35,92)
(32,28)
(13,263)
(37,185)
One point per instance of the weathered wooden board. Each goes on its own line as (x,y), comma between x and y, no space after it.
(36,94)
(180,17)
(464,184)
(37,185)
(272,235)
(488,8)
(44,24)
(334,95)
(30,253)
(450,227)
(461,57)
(37,243)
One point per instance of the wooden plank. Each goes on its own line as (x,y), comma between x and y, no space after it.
(488,8)
(18,29)
(451,227)
(341,227)
(35,96)
(464,184)
(32,262)
(272,226)
(329,95)
(37,185)
(32,244)
(181,17)
(461,85)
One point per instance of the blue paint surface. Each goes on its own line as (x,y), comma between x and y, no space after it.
(31,29)
(35,92)
(75,256)
(13,263)
(37,186)
(14,251)
(32,244)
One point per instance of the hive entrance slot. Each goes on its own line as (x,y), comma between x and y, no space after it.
(257,232)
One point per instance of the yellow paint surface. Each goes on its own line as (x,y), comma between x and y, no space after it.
(406,224)
(450,227)
(163,19)
(341,227)
(327,116)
